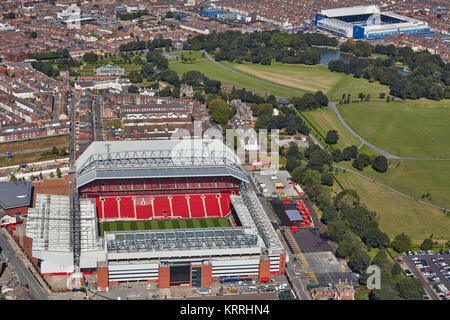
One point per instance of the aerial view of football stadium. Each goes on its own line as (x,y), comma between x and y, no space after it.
(224,157)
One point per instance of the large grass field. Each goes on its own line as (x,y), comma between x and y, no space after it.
(415,178)
(397,214)
(325,119)
(311,78)
(416,128)
(228,78)
(47,143)
(164,224)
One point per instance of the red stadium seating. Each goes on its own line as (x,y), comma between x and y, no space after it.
(111,211)
(144,207)
(212,205)
(126,207)
(98,204)
(225,203)
(180,206)
(162,207)
(196,205)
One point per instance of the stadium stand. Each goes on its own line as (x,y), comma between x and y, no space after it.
(197,206)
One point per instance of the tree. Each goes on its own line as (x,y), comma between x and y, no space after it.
(375,238)
(332,137)
(337,230)
(52,175)
(54,150)
(380,164)
(58,173)
(427,244)
(410,288)
(294,152)
(318,159)
(361,161)
(90,57)
(337,155)
(346,199)
(135,76)
(358,260)
(326,179)
(350,152)
(133,89)
(329,214)
(401,243)
(12,178)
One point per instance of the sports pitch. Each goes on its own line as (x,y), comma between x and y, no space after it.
(164,224)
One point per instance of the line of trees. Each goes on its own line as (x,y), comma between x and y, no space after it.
(262,47)
(429,76)
(49,55)
(159,42)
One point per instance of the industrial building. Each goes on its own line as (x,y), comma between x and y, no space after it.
(368,22)
(154,181)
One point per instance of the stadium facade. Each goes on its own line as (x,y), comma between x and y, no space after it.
(368,22)
(135,182)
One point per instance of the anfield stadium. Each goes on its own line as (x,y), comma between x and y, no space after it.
(367,22)
(171,211)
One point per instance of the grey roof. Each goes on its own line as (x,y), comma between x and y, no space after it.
(15,194)
(157,158)
(294,215)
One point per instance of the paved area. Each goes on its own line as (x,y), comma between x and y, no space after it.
(266,181)
(309,240)
(430,282)
(23,270)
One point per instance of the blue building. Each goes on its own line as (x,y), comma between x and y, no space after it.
(211,12)
(367,22)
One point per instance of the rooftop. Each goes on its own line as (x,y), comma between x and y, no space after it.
(15,194)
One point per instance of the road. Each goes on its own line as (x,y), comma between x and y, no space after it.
(250,77)
(385,153)
(299,284)
(392,189)
(427,286)
(97,118)
(23,272)
(380,151)
(381,184)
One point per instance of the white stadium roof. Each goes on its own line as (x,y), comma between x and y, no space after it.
(157,158)
(350,11)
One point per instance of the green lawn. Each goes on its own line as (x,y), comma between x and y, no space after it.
(164,224)
(397,214)
(116,123)
(189,54)
(417,128)
(325,119)
(311,78)
(415,178)
(228,78)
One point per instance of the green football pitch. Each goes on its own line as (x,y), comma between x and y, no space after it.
(163,224)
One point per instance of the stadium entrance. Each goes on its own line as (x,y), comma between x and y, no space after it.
(180,274)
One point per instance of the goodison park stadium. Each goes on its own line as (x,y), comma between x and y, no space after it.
(367,22)
(173,212)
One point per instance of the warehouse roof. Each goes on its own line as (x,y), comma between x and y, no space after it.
(15,194)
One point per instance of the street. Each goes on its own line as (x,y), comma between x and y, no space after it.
(299,286)
(23,272)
